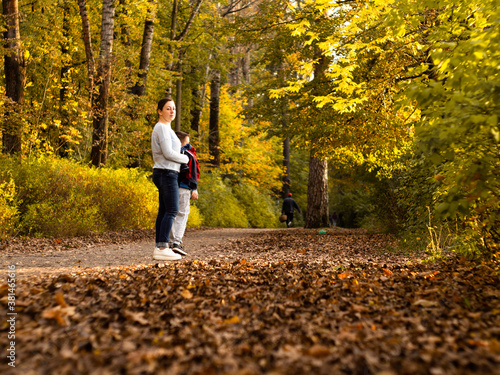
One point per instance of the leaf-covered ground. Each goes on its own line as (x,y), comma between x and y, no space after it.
(292,302)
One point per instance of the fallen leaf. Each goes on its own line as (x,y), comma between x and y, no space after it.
(234,320)
(136,317)
(187,294)
(425,303)
(318,351)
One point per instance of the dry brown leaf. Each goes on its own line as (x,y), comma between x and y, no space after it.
(318,351)
(187,294)
(276,312)
(136,317)
(425,303)
(60,300)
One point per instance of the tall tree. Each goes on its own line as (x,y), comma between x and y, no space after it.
(317,188)
(317,194)
(213,137)
(227,11)
(174,61)
(100,111)
(14,78)
(145,58)
(87,41)
(99,78)
(64,76)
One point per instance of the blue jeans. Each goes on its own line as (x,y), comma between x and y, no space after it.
(168,192)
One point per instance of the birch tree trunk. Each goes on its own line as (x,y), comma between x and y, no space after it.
(147,41)
(101,93)
(14,79)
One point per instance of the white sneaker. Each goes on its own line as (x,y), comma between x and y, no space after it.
(165,254)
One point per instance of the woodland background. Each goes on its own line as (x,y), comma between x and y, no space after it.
(385,112)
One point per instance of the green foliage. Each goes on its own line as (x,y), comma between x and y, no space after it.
(55,217)
(125,197)
(224,204)
(218,205)
(260,210)
(59,198)
(358,199)
(405,74)
(459,131)
(8,207)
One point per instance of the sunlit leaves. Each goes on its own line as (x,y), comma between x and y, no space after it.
(461,114)
(247,150)
(393,62)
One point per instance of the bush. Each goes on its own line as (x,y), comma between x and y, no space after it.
(74,216)
(259,208)
(60,198)
(8,210)
(195,218)
(126,199)
(218,205)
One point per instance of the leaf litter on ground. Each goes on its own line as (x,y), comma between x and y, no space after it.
(291,303)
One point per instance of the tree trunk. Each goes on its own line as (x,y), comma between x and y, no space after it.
(103,79)
(199,102)
(14,78)
(179,37)
(147,41)
(65,52)
(87,41)
(125,33)
(286,166)
(317,194)
(178,97)
(171,50)
(65,68)
(196,110)
(286,142)
(213,136)
(317,187)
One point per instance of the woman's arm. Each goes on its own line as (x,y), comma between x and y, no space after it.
(166,148)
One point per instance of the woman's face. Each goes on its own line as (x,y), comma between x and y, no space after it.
(167,113)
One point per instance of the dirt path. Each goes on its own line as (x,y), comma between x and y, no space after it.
(51,257)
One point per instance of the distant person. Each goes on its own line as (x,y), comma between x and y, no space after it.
(188,185)
(289,205)
(333,219)
(167,158)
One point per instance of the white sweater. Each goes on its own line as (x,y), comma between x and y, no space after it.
(166,148)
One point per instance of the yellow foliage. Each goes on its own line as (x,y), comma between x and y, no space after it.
(8,210)
(246,151)
(195,218)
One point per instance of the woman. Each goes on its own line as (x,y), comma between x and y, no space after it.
(167,159)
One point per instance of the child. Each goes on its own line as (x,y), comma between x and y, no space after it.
(188,184)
